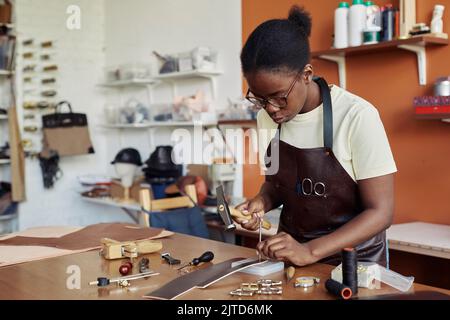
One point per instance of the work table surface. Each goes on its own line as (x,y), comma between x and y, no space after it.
(47,279)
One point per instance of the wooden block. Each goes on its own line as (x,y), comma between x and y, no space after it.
(112,249)
(117,190)
(144,200)
(407,16)
(191,192)
(17,158)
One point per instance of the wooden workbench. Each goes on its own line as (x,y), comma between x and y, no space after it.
(46,279)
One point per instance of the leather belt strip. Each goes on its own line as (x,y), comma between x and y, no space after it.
(200,279)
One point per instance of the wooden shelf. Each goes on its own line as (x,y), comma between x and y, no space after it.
(441,116)
(433,113)
(414,44)
(382,46)
(421,238)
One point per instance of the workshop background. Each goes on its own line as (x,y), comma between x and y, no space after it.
(84,55)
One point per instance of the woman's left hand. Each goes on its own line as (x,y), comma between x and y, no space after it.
(285,248)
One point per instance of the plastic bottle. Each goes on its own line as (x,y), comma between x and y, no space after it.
(372,30)
(373,15)
(341,25)
(436,22)
(388,23)
(357,23)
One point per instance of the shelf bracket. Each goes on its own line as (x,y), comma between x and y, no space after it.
(340,61)
(420,51)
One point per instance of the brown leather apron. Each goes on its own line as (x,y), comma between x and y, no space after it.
(317,194)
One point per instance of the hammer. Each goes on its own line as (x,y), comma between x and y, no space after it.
(227,212)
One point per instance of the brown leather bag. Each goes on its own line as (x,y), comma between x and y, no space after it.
(6,12)
(66,133)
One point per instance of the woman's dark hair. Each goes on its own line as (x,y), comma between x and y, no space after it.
(279,44)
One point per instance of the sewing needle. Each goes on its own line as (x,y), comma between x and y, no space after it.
(260,236)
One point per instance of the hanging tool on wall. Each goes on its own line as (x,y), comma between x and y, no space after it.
(112,249)
(205,257)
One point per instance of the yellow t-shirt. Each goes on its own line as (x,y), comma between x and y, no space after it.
(360,143)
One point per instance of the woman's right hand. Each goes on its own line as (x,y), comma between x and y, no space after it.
(254,209)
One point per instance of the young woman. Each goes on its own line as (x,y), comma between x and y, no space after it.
(334,166)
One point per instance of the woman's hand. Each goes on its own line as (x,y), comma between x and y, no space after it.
(254,209)
(285,248)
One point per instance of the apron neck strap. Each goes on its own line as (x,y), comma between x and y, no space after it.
(327,113)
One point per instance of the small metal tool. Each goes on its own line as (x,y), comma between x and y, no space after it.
(240,293)
(205,257)
(170,260)
(103,281)
(144,265)
(224,210)
(260,237)
(269,283)
(264,291)
(306,282)
(249,286)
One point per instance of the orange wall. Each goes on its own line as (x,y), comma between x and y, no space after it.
(389,80)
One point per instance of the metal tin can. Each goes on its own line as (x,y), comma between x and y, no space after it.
(442,87)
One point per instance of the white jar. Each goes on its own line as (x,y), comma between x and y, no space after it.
(357,23)
(436,22)
(341,26)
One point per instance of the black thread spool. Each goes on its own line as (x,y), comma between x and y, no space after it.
(350,269)
(338,289)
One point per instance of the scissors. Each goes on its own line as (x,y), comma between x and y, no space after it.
(309,188)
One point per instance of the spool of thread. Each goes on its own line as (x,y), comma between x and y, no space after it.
(350,269)
(338,289)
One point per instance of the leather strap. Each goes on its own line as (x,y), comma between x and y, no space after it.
(327,113)
(200,279)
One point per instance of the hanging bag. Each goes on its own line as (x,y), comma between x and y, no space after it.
(66,133)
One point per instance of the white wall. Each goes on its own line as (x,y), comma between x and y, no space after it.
(136,28)
(80,56)
(115,32)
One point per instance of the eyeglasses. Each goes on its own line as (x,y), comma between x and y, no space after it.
(278,102)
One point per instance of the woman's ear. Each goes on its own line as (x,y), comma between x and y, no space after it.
(308,73)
